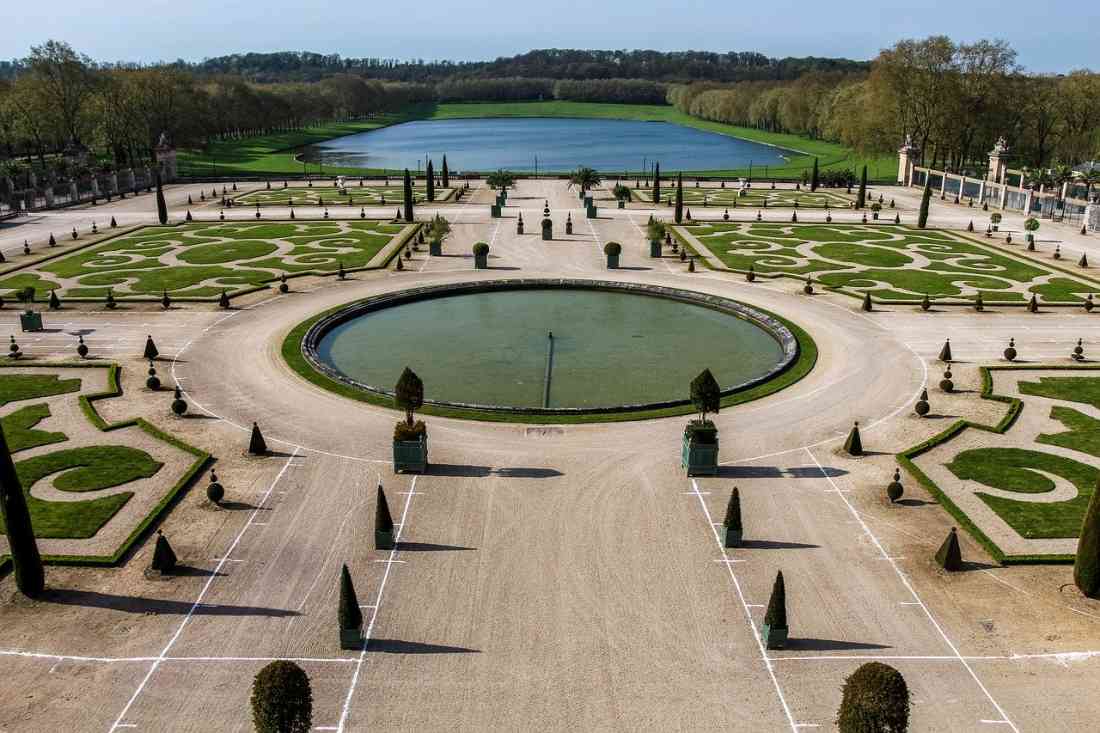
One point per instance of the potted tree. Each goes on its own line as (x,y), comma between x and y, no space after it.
(612,250)
(621,194)
(349,615)
(438,230)
(700,443)
(1031,225)
(29,319)
(656,231)
(875,208)
(995,220)
(481,256)
(410,439)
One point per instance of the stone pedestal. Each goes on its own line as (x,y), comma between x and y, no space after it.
(998,162)
(907,157)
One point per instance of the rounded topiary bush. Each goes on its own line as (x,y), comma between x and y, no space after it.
(215,492)
(875,698)
(613,248)
(282,701)
(481,249)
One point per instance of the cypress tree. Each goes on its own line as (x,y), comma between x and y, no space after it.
(282,701)
(1086,568)
(445,174)
(706,395)
(164,558)
(26,562)
(853,445)
(383,520)
(815,177)
(162,208)
(925,202)
(679,216)
(733,511)
(430,173)
(223,300)
(875,698)
(55,302)
(861,197)
(257,446)
(349,614)
(776,615)
(408,197)
(868,305)
(949,556)
(657,183)
(151,352)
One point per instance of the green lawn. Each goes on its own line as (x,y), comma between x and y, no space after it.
(1071,389)
(200,260)
(19,428)
(274,155)
(16,387)
(892,263)
(1014,469)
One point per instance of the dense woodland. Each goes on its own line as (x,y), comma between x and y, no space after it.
(952,100)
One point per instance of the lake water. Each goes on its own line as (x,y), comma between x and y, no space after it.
(492,348)
(485,144)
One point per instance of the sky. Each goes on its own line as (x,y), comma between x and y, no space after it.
(1051,36)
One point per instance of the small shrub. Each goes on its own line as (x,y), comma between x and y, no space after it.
(613,249)
(875,700)
(282,701)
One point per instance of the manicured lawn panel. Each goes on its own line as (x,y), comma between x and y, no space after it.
(16,387)
(20,432)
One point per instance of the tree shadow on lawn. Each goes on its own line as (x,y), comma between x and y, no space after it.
(830,645)
(396,646)
(139,604)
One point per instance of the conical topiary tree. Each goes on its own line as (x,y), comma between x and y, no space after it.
(55,302)
(30,578)
(282,701)
(430,183)
(867,305)
(679,212)
(348,614)
(1086,567)
(150,353)
(949,556)
(775,618)
(383,522)
(164,559)
(925,202)
(706,395)
(257,446)
(861,196)
(875,700)
(945,352)
(162,207)
(853,445)
(408,196)
(731,524)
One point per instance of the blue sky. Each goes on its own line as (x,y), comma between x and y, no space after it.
(1051,36)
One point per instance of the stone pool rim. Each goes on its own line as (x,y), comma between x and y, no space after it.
(316,328)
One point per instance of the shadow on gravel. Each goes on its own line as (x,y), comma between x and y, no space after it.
(521,472)
(777,472)
(465,471)
(429,547)
(830,645)
(396,646)
(775,545)
(913,502)
(138,604)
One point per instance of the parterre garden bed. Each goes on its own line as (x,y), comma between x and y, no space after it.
(329,195)
(753,198)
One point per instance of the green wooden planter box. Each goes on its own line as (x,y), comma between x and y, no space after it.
(494,212)
(590,212)
(774,638)
(700,459)
(351,638)
(384,540)
(30,321)
(612,262)
(547,230)
(410,455)
(587,202)
(622,204)
(654,248)
(435,249)
(730,537)
(481,262)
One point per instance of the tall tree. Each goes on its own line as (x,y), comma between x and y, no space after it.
(679,213)
(430,174)
(925,202)
(162,207)
(1086,566)
(656,183)
(861,197)
(27,563)
(445,174)
(408,196)
(815,177)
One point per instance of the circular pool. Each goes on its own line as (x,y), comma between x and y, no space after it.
(549,346)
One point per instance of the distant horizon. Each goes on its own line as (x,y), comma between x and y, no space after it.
(159,31)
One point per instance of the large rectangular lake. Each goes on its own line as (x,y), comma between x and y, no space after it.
(558,144)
